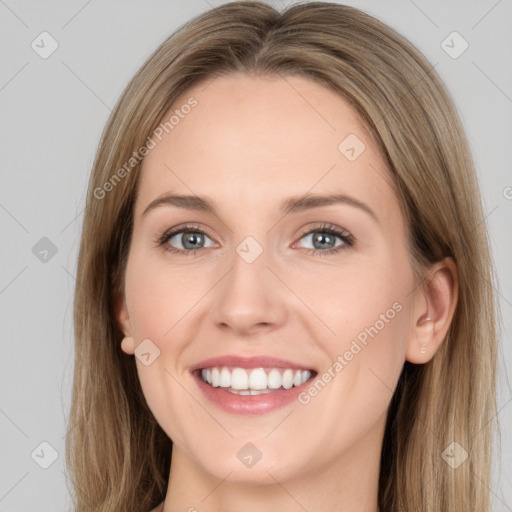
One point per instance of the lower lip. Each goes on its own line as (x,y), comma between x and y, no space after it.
(249,404)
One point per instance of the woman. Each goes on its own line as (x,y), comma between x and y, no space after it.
(283,278)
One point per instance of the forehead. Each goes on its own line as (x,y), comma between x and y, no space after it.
(250,140)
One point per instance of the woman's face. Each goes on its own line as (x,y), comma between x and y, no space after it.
(295,271)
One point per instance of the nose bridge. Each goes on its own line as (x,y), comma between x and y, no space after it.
(248,295)
(249,276)
(250,255)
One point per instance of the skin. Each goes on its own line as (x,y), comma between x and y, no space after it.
(250,143)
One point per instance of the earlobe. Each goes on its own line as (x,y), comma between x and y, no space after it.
(434,313)
(128,345)
(429,333)
(421,348)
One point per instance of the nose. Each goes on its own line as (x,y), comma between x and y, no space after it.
(250,299)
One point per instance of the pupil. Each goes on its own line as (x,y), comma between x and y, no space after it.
(191,236)
(322,237)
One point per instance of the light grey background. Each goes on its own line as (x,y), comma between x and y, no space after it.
(53,111)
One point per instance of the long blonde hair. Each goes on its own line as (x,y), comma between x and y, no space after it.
(118,456)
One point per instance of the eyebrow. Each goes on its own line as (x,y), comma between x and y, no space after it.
(289,205)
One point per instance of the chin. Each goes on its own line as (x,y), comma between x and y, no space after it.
(249,465)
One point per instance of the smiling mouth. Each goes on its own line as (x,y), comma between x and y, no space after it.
(254,381)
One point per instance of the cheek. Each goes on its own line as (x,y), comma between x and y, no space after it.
(353,390)
(367,309)
(158,295)
(359,301)
(158,298)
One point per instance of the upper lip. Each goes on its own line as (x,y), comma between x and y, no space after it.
(249,362)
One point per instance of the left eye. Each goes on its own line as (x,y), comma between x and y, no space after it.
(325,239)
(189,240)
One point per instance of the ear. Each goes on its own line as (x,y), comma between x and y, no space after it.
(123,320)
(433,311)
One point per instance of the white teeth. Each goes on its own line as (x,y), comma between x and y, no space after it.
(274,379)
(258,379)
(287,379)
(255,381)
(225,378)
(249,391)
(215,376)
(239,378)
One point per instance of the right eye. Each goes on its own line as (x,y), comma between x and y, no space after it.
(190,238)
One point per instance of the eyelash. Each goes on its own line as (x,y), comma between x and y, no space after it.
(347,239)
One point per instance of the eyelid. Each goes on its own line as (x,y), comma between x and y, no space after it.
(175,230)
(327,227)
